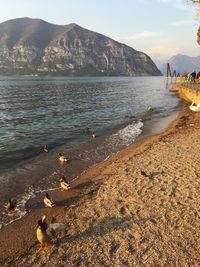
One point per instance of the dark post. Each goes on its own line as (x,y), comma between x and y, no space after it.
(169,74)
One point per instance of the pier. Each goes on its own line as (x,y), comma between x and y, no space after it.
(188,88)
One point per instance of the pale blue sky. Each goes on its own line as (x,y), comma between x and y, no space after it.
(161,28)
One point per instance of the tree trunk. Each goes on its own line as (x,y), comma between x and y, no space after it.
(198,36)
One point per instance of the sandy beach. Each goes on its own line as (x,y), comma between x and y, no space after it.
(138,208)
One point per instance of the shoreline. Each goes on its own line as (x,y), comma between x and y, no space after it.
(100,146)
(83,190)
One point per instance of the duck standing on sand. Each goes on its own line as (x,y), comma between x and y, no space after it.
(93,135)
(45,149)
(10,205)
(195,108)
(48,201)
(44,223)
(41,234)
(53,228)
(64,184)
(62,158)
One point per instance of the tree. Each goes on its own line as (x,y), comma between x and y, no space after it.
(198,36)
(198,31)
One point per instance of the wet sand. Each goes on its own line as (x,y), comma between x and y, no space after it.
(138,208)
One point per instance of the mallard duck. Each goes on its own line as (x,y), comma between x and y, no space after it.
(93,135)
(10,205)
(44,223)
(62,158)
(64,184)
(48,201)
(45,149)
(195,108)
(42,236)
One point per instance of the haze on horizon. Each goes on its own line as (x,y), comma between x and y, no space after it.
(160,28)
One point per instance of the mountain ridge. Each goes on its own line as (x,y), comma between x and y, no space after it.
(36,46)
(182,64)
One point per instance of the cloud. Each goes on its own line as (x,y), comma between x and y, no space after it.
(161,54)
(180,4)
(142,35)
(137,36)
(181,23)
(161,51)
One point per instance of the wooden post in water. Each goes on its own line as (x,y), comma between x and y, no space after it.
(174,75)
(169,74)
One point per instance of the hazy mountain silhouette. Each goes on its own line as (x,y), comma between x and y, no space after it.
(182,64)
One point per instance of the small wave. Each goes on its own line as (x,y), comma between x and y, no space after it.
(21,200)
(106,158)
(20,210)
(128,134)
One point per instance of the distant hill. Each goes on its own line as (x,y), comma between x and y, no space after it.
(182,64)
(35,46)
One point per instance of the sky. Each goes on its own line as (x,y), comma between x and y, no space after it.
(160,28)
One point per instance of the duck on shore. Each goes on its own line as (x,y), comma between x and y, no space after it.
(10,205)
(41,234)
(46,150)
(62,158)
(64,184)
(53,229)
(44,223)
(48,201)
(195,108)
(93,135)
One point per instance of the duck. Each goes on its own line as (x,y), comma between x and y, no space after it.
(45,149)
(44,223)
(93,135)
(62,158)
(64,184)
(195,108)
(48,201)
(10,205)
(42,235)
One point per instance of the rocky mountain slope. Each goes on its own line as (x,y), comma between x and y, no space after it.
(182,64)
(35,46)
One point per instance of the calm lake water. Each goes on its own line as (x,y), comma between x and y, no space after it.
(55,111)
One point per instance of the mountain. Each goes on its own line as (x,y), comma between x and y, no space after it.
(35,46)
(182,64)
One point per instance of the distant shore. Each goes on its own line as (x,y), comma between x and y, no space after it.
(138,208)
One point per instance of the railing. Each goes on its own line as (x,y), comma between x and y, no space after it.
(184,81)
(187,89)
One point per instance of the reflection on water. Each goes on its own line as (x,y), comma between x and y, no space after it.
(38,111)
